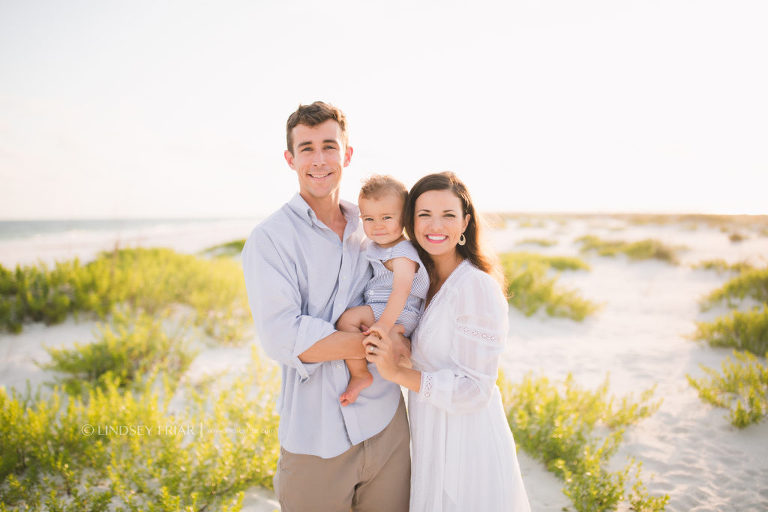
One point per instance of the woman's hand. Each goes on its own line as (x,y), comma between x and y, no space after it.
(382,351)
(385,350)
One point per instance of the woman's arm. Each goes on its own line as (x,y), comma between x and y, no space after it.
(477,314)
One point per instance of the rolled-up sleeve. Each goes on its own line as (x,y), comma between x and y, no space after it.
(478,339)
(275,301)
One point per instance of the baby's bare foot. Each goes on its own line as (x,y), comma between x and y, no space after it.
(355,386)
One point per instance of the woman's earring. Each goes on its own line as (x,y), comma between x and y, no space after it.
(462,239)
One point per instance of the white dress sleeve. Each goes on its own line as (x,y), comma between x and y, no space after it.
(479,313)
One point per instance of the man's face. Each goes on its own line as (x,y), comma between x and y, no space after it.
(318,157)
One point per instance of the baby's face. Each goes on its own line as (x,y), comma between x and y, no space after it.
(382,218)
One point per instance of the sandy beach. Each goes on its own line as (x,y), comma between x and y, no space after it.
(639,338)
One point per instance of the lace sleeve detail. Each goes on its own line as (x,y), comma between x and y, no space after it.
(479,335)
(427,381)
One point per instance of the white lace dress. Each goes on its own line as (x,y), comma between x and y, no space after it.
(462,453)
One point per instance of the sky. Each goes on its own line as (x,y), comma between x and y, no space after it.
(123,109)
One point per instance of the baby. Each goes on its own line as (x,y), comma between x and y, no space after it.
(398,288)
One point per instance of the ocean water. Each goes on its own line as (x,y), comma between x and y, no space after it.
(33,241)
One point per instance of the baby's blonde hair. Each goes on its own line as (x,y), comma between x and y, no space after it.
(379,185)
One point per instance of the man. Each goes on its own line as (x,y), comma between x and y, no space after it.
(304,266)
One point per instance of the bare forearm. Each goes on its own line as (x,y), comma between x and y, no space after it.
(409,378)
(392,311)
(339,345)
(402,280)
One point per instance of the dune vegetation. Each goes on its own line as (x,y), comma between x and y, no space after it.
(228,249)
(752,284)
(541,242)
(575,433)
(128,449)
(640,250)
(104,434)
(737,237)
(722,266)
(742,330)
(145,279)
(742,387)
(531,223)
(131,348)
(530,288)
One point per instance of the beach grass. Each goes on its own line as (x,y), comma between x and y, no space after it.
(555,262)
(562,424)
(640,250)
(751,284)
(741,387)
(737,237)
(531,223)
(721,266)
(742,330)
(541,242)
(530,288)
(130,347)
(225,250)
(146,279)
(128,449)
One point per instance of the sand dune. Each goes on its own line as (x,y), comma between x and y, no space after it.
(638,337)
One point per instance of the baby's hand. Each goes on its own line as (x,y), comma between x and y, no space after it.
(378,328)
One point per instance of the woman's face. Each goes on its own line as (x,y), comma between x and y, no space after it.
(439,222)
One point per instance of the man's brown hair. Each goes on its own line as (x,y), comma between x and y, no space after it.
(312,115)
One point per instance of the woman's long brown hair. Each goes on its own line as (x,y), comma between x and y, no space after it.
(474,250)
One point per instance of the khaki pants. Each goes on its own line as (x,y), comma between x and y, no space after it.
(372,476)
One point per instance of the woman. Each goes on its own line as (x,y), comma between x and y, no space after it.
(462,453)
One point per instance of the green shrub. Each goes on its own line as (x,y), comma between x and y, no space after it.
(134,345)
(556,262)
(557,425)
(752,284)
(543,242)
(720,266)
(529,288)
(640,250)
(530,223)
(65,453)
(740,330)
(228,249)
(742,388)
(146,279)
(737,237)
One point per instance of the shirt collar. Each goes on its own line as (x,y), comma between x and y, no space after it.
(305,212)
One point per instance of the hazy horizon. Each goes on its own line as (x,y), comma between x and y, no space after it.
(485,212)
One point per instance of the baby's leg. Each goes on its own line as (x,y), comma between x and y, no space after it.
(353,320)
(359,379)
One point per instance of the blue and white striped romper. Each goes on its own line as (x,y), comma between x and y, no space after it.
(380,285)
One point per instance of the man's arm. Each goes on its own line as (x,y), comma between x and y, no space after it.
(338,345)
(292,339)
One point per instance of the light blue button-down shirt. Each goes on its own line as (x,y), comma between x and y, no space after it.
(300,278)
